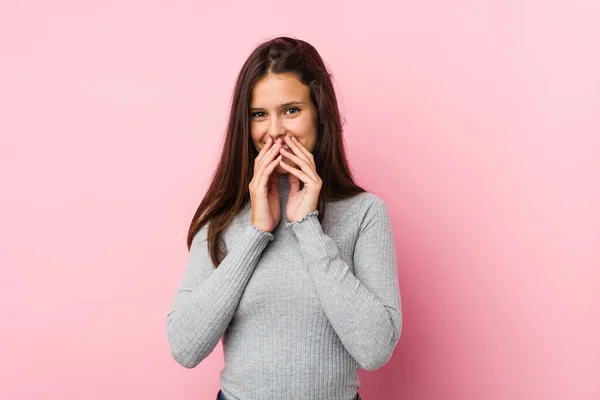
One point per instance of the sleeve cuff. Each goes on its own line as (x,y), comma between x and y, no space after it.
(316,247)
(255,231)
(307,216)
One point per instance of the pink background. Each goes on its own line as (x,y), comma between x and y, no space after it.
(476,121)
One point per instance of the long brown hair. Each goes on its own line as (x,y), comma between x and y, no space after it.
(228,192)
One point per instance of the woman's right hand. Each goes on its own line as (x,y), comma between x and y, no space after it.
(264,197)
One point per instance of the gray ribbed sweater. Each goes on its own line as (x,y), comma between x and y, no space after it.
(300,309)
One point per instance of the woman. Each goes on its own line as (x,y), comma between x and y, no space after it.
(291,263)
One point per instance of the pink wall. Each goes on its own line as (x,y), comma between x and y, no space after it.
(477,121)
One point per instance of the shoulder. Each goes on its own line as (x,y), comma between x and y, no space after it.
(361,202)
(229,233)
(355,208)
(372,210)
(368,199)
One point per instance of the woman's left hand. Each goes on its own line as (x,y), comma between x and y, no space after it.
(300,202)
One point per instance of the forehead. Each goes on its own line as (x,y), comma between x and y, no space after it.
(277,89)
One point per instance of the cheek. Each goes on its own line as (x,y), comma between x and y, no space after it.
(255,137)
(306,131)
(303,125)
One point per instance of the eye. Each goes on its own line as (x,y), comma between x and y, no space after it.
(293,108)
(255,114)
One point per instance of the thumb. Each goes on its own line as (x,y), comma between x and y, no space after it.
(272,184)
(294,184)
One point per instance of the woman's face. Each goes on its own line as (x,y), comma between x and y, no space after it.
(281,106)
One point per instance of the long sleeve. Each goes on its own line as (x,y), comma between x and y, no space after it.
(364,308)
(207,297)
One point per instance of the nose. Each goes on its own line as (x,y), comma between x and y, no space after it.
(276,129)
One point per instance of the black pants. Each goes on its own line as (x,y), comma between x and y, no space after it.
(357,397)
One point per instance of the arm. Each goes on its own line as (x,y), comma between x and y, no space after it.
(364,308)
(207,297)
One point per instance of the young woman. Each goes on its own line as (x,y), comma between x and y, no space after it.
(291,263)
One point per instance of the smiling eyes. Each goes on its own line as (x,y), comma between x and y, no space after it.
(256,114)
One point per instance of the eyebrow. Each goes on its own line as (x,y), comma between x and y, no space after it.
(284,105)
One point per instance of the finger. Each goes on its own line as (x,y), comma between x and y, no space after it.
(264,150)
(269,155)
(266,172)
(303,164)
(296,172)
(291,156)
(298,148)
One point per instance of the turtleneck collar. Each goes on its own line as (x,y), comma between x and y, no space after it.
(283,186)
